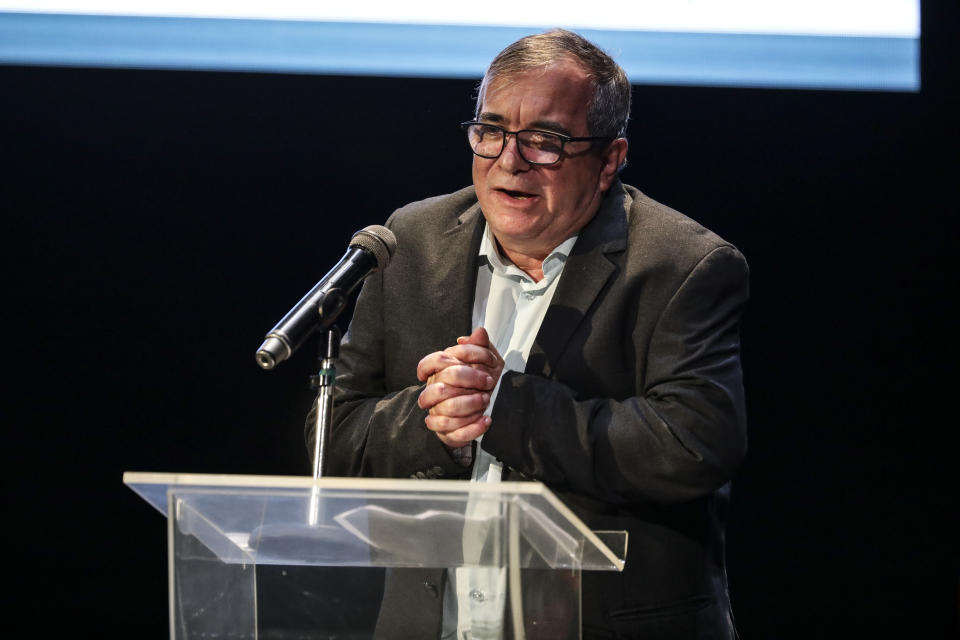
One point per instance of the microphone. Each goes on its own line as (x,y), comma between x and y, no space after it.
(370,250)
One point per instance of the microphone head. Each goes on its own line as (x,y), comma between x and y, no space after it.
(378,240)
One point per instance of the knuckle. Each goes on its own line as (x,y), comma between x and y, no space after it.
(437,424)
(473,375)
(452,407)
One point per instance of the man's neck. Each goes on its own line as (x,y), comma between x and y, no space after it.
(532,265)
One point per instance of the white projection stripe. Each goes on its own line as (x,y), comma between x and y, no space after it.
(841,44)
(883,18)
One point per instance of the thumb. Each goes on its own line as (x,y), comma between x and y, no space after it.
(479,337)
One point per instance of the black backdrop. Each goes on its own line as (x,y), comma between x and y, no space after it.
(157,223)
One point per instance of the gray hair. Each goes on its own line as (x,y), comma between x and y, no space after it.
(610,107)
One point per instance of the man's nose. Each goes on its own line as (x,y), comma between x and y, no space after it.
(510,159)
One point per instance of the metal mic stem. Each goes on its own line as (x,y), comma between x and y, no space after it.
(325,381)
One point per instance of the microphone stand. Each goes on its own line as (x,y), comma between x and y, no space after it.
(323,382)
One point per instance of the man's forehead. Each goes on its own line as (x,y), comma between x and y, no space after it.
(568,67)
(555,97)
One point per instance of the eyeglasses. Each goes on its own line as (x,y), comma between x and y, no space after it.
(534,146)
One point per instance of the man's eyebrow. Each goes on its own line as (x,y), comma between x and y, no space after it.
(546,125)
(550,125)
(486,116)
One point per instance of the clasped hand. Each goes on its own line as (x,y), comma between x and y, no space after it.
(459,381)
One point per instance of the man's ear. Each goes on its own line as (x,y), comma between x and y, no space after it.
(614,157)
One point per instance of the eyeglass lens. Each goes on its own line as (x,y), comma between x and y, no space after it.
(538,147)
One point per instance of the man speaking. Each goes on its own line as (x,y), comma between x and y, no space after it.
(551,323)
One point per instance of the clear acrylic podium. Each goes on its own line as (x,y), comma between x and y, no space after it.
(283,557)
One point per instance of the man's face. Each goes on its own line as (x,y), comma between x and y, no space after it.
(533,208)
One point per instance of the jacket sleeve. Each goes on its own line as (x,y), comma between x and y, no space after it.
(683,432)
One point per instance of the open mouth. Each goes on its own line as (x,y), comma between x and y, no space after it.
(519,195)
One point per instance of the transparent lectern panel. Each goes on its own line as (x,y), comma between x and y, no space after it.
(286,557)
(209,598)
(313,603)
(550,604)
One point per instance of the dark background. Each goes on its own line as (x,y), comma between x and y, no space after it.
(158,223)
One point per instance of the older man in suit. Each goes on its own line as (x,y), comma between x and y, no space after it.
(552,323)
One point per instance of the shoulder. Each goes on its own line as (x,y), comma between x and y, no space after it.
(431,231)
(443,210)
(664,234)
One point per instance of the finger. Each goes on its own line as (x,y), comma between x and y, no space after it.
(479,337)
(464,405)
(433,363)
(466,377)
(466,434)
(449,424)
(472,354)
(436,392)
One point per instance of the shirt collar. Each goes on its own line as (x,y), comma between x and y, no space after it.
(501,265)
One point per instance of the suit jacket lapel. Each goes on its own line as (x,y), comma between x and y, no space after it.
(455,280)
(585,274)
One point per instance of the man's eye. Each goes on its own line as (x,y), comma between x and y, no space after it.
(542,140)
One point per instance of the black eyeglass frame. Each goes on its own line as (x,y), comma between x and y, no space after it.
(564,139)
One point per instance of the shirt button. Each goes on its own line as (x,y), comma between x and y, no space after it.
(528,295)
(477,595)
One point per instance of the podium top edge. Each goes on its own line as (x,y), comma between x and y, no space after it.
(307,482)
(154,487)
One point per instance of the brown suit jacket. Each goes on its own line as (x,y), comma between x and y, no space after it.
(631,407)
